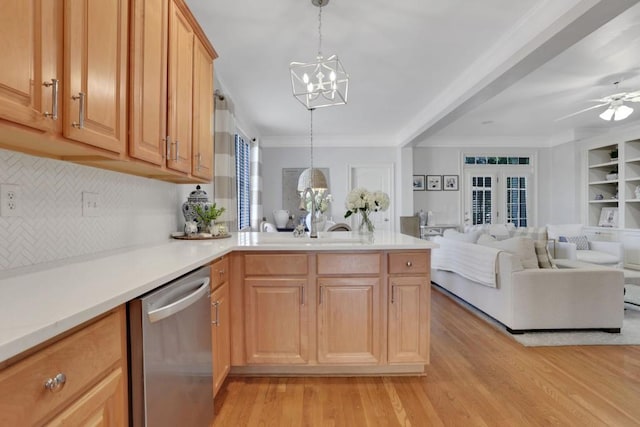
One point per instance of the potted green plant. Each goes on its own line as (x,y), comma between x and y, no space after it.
(207,215)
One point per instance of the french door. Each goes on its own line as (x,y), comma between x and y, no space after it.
(498,195)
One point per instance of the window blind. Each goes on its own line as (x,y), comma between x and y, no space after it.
(242,182)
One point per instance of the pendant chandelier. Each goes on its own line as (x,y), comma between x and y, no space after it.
(322,83)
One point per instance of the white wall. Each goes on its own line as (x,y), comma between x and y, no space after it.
(563,195)
(132,211)
(336,159)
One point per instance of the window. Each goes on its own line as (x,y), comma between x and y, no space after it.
(498,189)
(242,182)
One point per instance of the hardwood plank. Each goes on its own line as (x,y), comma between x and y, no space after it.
(478,376)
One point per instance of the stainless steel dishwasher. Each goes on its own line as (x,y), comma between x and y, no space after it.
(170,354)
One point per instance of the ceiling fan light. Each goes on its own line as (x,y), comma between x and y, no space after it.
(607,114)
(622,112)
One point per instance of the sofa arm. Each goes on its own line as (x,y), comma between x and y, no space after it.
(565,250)
(613,248)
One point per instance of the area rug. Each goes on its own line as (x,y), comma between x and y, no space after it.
(629,334)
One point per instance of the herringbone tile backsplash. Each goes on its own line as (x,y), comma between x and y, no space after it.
(133,211)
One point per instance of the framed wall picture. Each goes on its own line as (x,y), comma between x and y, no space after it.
(450,182)
(418,183)
(434,182)
(608,217)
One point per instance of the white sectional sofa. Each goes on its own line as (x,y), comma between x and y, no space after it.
(531,299)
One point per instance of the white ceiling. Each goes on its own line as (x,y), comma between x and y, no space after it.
(455,72)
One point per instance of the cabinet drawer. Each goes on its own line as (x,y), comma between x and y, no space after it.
(219,272)
(408,262)
(275,264)
(83,357)
(345,263)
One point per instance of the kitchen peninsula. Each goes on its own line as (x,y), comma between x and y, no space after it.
(339,304)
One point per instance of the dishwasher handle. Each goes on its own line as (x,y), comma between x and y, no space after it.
(179,305)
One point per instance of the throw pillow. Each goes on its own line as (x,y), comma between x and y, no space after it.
(536,233)
(543,255)
(522,247)
(452,234)
(582,243)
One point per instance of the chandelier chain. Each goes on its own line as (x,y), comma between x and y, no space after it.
(320,30)
(311,143)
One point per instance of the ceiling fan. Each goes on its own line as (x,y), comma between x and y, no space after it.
(616,109)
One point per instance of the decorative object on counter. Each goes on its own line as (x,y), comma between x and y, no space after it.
(434,182)
(322,83)
(363,202)
(450,182)
(198,197)
(281,217)
(299,231)
(206,216)
(190,227)
(317,209)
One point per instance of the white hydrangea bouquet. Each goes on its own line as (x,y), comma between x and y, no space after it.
(364,202)
(322,201)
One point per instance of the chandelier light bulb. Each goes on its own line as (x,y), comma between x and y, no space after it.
(305,78)
(332,76)
(310,87)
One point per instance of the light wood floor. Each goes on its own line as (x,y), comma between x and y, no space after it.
(478,376)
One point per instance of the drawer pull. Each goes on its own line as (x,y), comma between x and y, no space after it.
(56,383)
(216,319)
(409,264)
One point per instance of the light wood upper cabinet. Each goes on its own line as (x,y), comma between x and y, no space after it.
(179,125)
(95,73)
(148,112)
(202,164)
(31,51)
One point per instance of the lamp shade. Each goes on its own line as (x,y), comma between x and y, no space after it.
(311,176)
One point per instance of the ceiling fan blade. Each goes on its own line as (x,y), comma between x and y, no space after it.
(581,111)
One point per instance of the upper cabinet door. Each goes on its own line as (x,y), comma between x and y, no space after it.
(148,106)
(31,34)
(95,89)
(179,126)
(202,165)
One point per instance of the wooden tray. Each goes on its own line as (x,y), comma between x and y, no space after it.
(196,237)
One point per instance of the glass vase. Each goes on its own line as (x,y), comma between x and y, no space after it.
(366,225)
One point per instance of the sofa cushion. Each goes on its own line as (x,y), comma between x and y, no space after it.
(499,231)
(582,243)
(597,257)
(543,255)
(471,237)
(522,247)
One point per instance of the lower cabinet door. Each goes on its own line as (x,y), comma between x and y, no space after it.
(104,405)
(408,338)
(276,321)
(220,334)
(349,320)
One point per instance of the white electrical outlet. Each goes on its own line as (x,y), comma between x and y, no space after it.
(90,204)
(10,202)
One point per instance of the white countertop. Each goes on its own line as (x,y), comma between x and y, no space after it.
(40,303)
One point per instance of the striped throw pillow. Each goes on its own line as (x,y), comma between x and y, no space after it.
(543,255)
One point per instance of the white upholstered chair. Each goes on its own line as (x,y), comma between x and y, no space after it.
(599,252)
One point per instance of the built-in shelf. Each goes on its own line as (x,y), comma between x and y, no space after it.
(604,165)
(611,181)
(604,201)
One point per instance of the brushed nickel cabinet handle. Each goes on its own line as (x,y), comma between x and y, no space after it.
(167,147)
(80,123)
(177,144)
(56,383)
(54,99)
(216,320)
(320,295)
(199,161)
(302,295)
(393,294)
(409,264)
